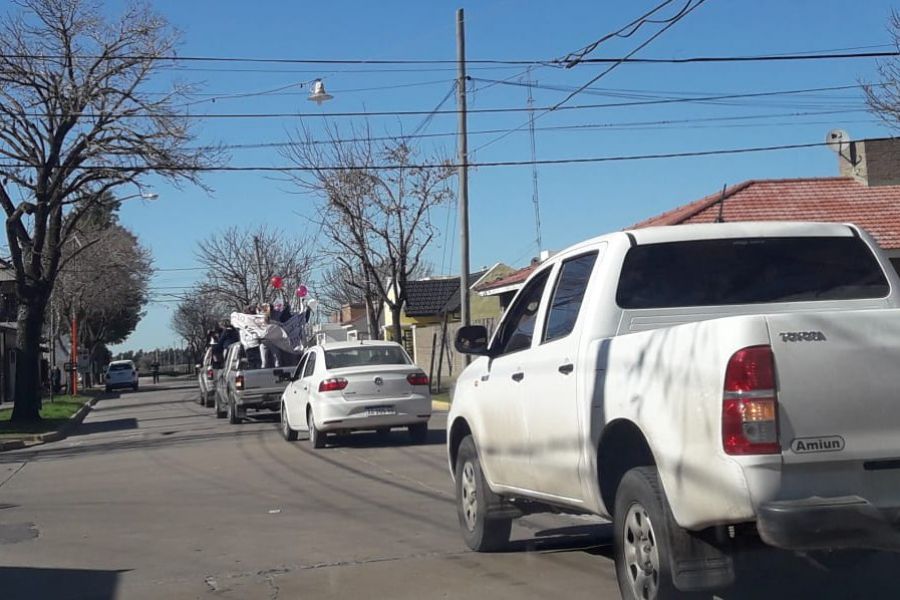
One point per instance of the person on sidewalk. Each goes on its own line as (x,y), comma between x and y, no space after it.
(155,369)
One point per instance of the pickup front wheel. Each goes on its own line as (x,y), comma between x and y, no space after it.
(640,536)
(481,532)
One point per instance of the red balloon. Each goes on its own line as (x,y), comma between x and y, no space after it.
(277,282)
(301,291)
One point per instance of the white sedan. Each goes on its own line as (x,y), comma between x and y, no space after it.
(351,386)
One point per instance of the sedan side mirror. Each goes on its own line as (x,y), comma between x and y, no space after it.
(472,340)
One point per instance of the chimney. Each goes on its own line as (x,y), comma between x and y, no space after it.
(871,162)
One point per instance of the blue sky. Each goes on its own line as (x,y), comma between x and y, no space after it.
(577,201)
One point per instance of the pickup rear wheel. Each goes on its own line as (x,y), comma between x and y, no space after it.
(234,416)
(220,412)
(286,431)
(641,524)
(481,532)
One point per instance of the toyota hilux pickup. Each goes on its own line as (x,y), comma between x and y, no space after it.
(243,386)
(707,388)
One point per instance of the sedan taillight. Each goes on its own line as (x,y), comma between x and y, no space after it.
(417,379)
(334,384)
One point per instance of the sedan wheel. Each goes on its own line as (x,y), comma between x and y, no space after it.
(316,437)
(286,431)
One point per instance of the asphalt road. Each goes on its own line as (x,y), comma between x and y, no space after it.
(153,497)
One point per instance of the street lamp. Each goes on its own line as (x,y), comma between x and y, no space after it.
(318,93)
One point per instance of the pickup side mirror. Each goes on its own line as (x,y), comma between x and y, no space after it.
(281,375)
(472,340)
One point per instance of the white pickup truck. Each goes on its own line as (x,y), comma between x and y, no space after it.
(705,387)
(241,386)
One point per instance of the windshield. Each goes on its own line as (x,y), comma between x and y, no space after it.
(749,271)
(365,355)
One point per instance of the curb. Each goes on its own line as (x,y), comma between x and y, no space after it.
(52,436)
(440,405)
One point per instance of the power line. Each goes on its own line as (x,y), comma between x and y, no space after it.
(580,127)
(508,109)
(686,10)
(573,58)
(751,58)
(450,165)
(558,63)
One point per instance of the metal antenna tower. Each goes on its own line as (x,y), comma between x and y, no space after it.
(534,172)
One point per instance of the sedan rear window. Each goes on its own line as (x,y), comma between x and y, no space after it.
(749,271)
(365,355)
(121,367)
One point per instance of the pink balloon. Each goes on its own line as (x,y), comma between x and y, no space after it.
(277,282)
(301,291)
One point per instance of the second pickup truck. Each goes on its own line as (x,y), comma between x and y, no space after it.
(239,388)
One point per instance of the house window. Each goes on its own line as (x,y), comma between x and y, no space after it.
(407,342)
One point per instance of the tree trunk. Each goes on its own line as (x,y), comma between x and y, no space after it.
(27,396)
(395,317)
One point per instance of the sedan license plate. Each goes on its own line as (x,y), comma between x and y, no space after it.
(380,411)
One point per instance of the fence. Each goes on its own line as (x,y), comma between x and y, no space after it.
(442,365)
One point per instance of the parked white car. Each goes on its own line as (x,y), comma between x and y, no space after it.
(706,387)
(352,386)
(121,374)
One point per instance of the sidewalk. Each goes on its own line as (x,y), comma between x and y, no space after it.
(14,441)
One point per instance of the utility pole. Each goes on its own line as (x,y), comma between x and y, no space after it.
(465,314)
(262,284)
(73,389)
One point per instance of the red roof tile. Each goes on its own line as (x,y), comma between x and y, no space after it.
(511,279)
(832,199)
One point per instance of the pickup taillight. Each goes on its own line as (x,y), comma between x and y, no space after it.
(334,384)
(750,403)
(417,379)
(210,374)
(239,382)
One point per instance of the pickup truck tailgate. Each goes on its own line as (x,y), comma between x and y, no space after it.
(838,380)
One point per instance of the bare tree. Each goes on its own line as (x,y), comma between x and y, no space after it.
(342,285)
(240,265)
(376,207)
(193,319)
(104,285)
(77,119)
(884,98)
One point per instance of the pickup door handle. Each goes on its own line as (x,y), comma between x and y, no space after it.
(566,368)
(518,376)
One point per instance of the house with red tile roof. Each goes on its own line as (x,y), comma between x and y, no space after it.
(867,193)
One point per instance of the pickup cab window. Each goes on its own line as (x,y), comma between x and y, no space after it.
(749,271)
(566,303)
(518,327)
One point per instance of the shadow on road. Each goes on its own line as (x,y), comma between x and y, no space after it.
(396,437)
(106,426)
(27,583)
(594,538)
(782,576)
